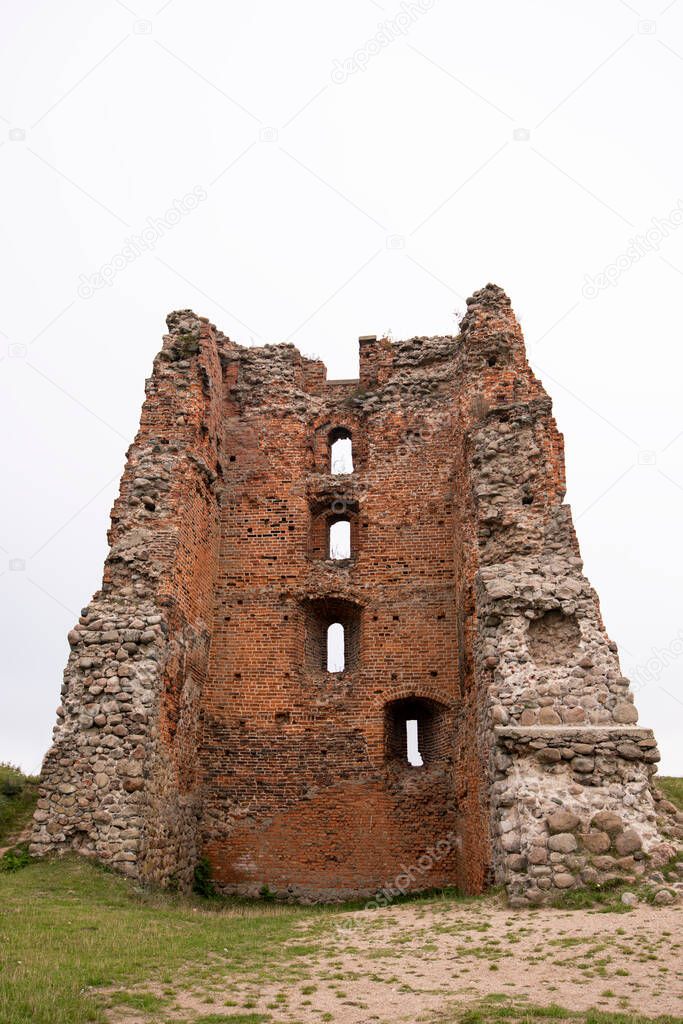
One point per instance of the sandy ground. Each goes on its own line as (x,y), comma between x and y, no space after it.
(412,962)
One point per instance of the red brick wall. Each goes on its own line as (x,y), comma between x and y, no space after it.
(299,786)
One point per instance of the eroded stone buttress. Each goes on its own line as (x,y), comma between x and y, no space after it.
(565,750)
(119,780)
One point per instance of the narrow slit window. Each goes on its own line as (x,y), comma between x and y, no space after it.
(417,732)
(412,743)
(340,540)
(335,647)
(341,453)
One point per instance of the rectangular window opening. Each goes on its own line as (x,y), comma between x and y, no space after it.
(341,458)
(412,743)
(335,647)
(340,540)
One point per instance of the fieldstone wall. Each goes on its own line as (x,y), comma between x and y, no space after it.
(120,780)
(571,797)
(575,806)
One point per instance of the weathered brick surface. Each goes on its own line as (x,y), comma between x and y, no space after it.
(198,715)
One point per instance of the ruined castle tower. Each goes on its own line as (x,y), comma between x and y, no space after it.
(205,709)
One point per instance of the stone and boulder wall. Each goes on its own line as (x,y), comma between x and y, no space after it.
(572,800)
(119,782)
(574,807)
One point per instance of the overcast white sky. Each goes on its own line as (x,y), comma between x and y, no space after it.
(354,168)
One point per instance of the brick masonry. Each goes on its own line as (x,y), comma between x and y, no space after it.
(198,717)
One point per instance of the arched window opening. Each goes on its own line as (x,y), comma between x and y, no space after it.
(335,647)
(333,635)
(418,732)
(413,743)
(333,531)
(340,539)
(341,453)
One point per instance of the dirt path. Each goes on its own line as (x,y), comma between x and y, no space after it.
(414,961)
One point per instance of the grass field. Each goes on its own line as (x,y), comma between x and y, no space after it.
(67,927)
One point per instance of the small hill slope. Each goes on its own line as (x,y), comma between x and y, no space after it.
(18,795)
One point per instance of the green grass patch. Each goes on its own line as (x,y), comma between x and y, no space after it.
(146,1001)
(15,859)
(18,795)
(492,1011)
(68,927)
(672,788)
(77,939)
(606,897)
(232,1018)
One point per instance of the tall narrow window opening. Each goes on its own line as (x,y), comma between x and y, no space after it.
(335,647)
(340,539)
(332,636)
(413,743)
(417,731)
(341,453)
